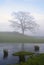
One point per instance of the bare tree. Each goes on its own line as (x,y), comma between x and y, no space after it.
(23,21)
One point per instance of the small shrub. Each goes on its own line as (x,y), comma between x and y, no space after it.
(5,53)
(36,48)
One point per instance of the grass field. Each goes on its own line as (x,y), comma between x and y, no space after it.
(14,37)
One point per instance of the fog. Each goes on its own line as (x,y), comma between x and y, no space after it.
(5,27)
(35,7)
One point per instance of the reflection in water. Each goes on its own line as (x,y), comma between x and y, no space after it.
(9,59)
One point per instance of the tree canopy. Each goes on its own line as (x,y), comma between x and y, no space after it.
(23,21)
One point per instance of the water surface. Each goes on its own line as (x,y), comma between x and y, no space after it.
(15,48)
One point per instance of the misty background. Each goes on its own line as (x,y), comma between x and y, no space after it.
(35,7)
